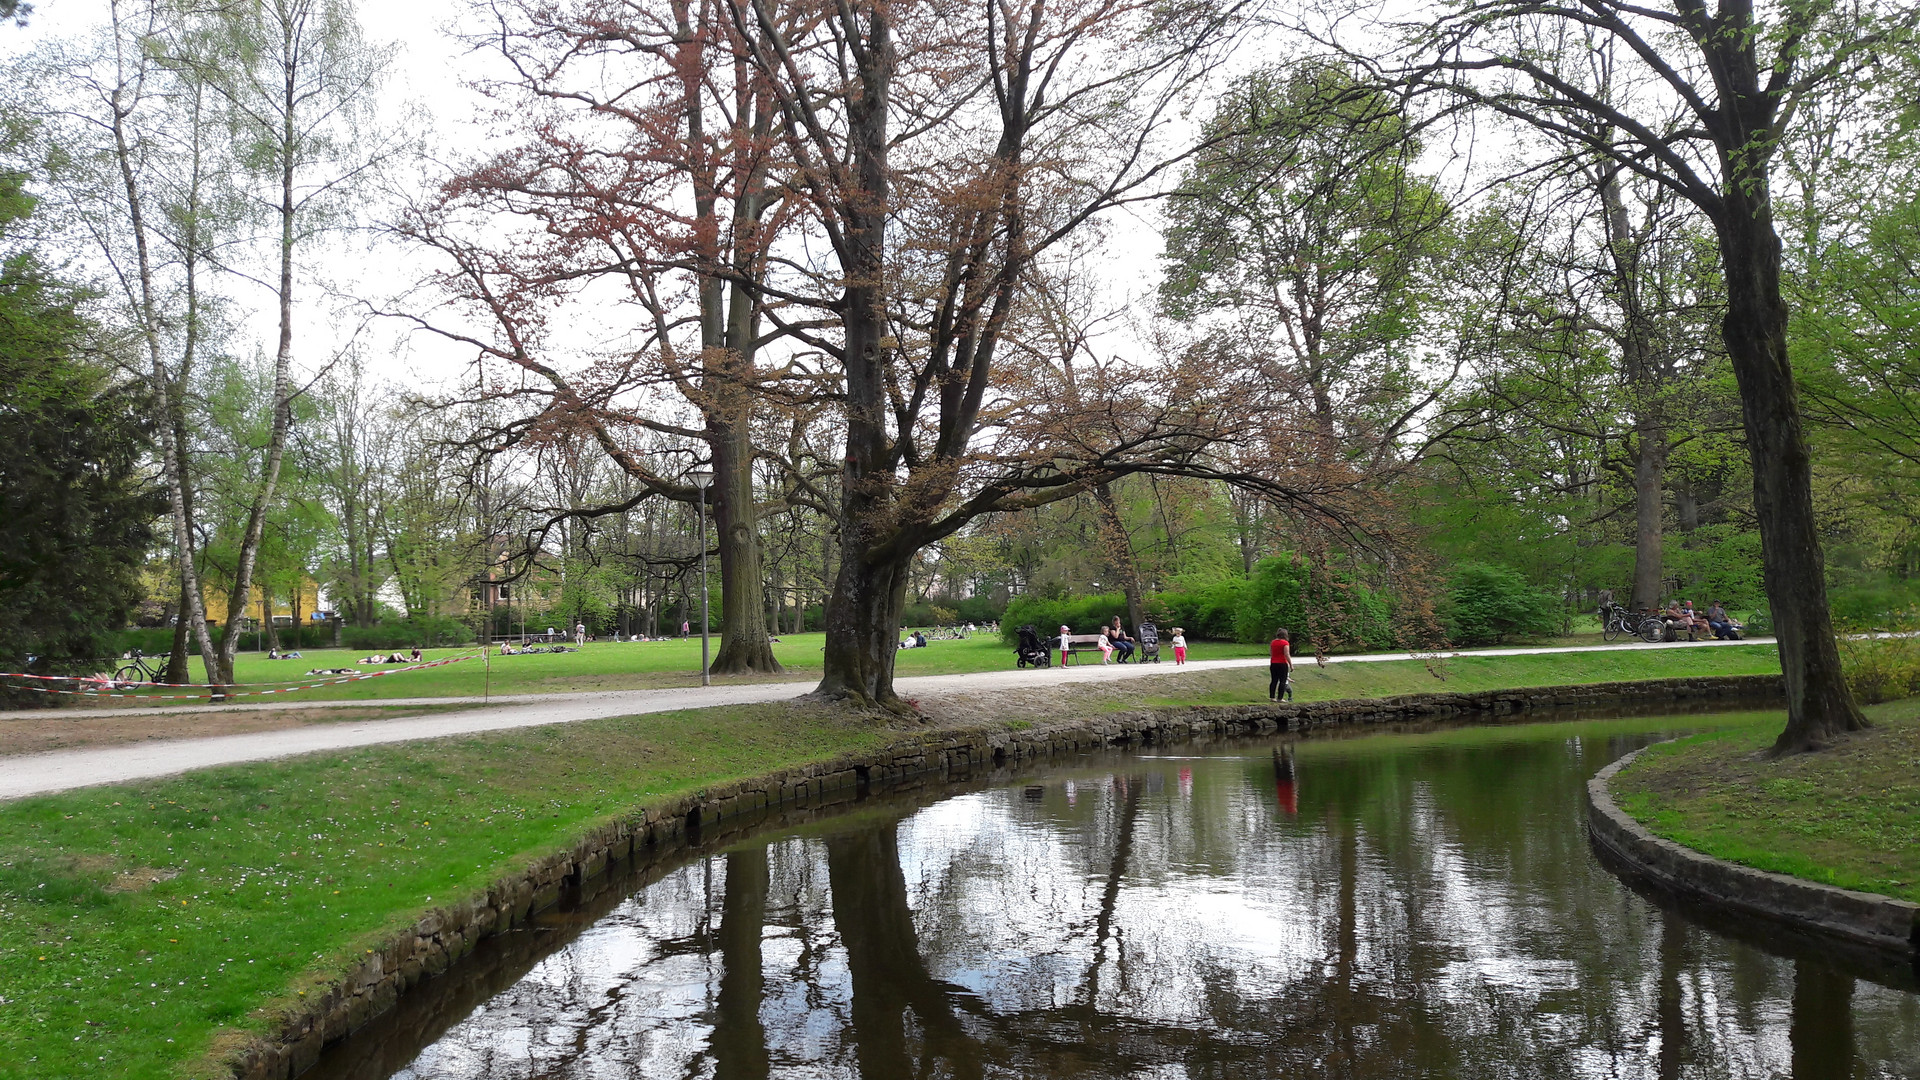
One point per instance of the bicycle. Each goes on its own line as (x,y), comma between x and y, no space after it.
(138,670)
(1618,622)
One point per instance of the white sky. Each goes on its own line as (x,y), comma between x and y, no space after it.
(429,80)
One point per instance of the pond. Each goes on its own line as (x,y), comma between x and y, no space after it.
(1389,906)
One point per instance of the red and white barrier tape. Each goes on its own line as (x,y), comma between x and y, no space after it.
(120,689)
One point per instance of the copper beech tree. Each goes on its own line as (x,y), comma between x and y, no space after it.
(642,201)
(848,206)
(941,152)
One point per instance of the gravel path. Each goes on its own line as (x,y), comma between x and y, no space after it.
(36,774)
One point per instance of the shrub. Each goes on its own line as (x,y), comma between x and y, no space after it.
(1878,604)
(1881,669)
(1319,612)
(426,633)
(151,641)
(1206,613)
(1274,597)
(1486,605)
(1046,614)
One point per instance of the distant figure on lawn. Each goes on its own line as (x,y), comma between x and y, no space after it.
(579,633)
(685,629)
(1179,646)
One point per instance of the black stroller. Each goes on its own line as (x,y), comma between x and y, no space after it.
(1149,643)
(1032,652)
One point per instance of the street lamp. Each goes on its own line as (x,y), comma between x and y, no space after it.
(701,478)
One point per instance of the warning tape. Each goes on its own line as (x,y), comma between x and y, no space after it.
(268,682)
(120,689)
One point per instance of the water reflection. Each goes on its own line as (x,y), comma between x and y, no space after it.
(1416,909)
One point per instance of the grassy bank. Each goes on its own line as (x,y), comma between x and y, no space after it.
(1848,815)
(144,926)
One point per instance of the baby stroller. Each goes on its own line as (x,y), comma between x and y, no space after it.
(1149,642)
(1032,652)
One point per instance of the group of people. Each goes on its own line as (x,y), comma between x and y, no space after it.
(276,654)
(392,658)
(915,640)
(1118,647)
(1682,619)
(1679,618)
(507,649)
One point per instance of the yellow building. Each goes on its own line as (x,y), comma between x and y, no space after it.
(286,610)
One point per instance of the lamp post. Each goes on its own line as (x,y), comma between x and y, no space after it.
(701,478)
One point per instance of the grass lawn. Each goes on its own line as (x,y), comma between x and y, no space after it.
(145,926)
(656,664)
(608,666)
(1848,815)
(1464,674)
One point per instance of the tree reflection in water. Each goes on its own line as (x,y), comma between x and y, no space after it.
(1431,910)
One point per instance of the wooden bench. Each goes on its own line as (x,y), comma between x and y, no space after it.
(1069,643)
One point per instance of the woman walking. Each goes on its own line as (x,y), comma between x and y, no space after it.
(1279,667)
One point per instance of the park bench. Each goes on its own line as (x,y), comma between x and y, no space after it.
(1080,643)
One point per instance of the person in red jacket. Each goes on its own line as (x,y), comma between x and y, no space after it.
(1280,655)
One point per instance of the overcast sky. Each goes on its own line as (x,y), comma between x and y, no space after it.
(430,79)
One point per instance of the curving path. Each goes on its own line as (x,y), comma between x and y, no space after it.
(60,770)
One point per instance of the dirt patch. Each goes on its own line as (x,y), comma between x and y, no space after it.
(140,877)
(1041,703)
(73,729)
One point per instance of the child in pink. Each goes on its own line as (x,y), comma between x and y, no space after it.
(1179,646)
(1064,632)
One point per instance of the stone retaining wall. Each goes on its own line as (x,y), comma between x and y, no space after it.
(1861,918)
(445,934)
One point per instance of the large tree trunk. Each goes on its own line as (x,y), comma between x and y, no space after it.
(1120,560)
(1649,504)
(743,609)
(863,630)
(1819,705)
(863,614)
(1643,378)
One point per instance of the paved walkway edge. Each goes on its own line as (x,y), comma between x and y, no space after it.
(1881,922)
(665,829)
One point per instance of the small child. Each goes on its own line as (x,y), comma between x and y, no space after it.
(1179,646)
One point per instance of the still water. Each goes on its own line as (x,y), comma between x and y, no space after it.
(1398,906)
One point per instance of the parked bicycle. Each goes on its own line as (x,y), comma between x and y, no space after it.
(138,669)
(1618,622)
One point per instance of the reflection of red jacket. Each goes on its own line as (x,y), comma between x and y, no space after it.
(1281,650)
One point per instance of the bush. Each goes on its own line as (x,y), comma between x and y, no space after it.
(1083,614)
(1881,669)
(1486,605)
(151,641)
(1206,613)
(1875,604)
(425,633)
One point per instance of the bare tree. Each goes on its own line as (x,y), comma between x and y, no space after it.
(301,82)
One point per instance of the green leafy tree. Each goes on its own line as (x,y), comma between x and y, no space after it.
(1303,234)
(75,504)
